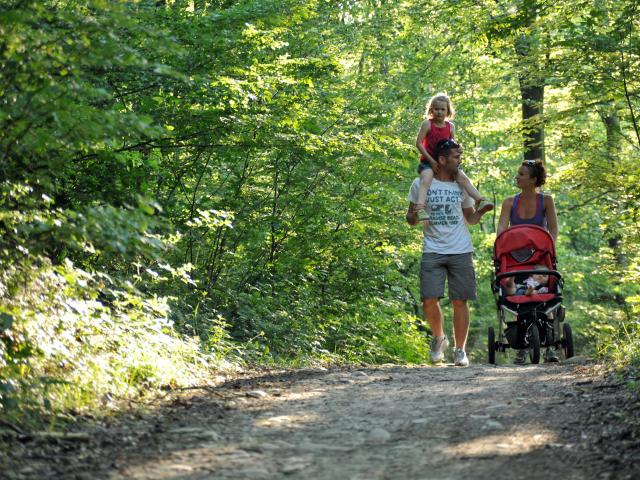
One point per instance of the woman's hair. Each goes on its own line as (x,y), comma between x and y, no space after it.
(537,170)
(440,97)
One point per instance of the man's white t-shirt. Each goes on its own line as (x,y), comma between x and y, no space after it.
(447,232)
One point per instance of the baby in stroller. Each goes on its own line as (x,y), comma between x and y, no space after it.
(536,283)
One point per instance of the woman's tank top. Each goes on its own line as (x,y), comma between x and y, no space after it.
(540,218)
(435,135)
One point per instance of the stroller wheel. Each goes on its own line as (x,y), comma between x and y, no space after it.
(567,341)
(491,343)
(560,314)
(534,344)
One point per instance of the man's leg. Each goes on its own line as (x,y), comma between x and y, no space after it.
(433,314)
(460,322)
(439,342)
(432,278)
(462,287)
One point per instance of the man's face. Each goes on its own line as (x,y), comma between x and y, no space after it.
(451,162)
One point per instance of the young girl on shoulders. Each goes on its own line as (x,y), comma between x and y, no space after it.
(434,128)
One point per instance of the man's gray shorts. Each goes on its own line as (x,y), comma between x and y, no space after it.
(457,268)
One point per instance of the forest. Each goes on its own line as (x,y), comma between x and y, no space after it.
(193,186)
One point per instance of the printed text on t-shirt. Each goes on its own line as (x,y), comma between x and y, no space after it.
(441,202)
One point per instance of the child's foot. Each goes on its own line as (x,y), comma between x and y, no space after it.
(483,206)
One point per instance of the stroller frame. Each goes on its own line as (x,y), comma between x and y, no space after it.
(528,322)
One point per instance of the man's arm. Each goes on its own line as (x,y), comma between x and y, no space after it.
(471,215)
(412,218)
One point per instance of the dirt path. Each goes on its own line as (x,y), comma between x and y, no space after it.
(391,422)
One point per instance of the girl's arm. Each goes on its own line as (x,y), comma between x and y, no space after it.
(552,218)
(425,128)
(453,131)
(503,223)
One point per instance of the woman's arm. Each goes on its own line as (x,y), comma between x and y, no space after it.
(505,213)
(552,218)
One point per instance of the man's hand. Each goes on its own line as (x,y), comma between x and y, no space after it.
(471,215)
(411,216)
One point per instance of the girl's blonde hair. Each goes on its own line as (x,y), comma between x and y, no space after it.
(440,97)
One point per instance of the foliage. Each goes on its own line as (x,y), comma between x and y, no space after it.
(189,183)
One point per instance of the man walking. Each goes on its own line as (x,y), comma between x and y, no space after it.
(447,251)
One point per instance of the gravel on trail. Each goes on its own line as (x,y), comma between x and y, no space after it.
(386,422)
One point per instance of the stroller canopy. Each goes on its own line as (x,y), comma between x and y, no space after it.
(522,238)
(520,248)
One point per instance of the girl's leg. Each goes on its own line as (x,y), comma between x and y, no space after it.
(473,192)
(467,186)
(426,177)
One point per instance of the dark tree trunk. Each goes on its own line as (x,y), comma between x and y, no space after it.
(532,120)
(531,79)
(609,115)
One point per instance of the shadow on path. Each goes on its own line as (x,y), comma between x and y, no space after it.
(370,423)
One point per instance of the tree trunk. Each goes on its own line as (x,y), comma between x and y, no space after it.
(609,115)
(531,79)
(532,120)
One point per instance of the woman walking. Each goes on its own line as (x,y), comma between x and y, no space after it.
(532,208)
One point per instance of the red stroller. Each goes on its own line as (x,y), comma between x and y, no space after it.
(534,320)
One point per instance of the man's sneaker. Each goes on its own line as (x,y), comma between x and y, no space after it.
(521,357)
(422,215)
(460,358)
(550,355)
(438,346)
